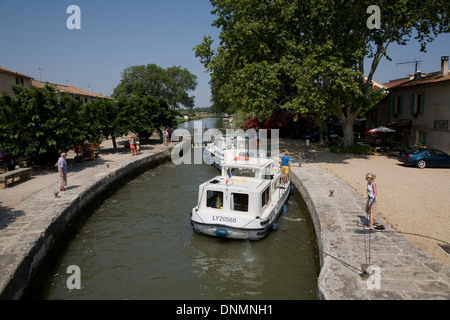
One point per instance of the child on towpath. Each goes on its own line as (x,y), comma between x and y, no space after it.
(371,199)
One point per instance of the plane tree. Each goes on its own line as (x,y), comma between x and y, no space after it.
(309,56)
(172,84)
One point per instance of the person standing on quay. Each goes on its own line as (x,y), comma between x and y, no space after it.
(165,136)
(62,169)
(285,165)
(132,146)
(138,143)
(371,199)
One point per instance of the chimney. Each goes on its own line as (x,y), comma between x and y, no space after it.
(418,75)
(444,66)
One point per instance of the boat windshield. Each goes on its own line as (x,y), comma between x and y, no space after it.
(236,143)
(243,172)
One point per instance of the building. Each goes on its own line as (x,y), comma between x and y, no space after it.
(418,108)
(75,93)
(8,78)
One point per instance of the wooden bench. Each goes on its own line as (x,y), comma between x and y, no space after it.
(380,149)
(21,173)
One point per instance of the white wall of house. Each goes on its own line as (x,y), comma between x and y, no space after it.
(9,79)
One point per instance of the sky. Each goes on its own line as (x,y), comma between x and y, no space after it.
(117,34)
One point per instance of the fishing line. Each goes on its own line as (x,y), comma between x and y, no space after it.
(340,260)
(370,231)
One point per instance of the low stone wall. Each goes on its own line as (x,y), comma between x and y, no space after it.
(336,279)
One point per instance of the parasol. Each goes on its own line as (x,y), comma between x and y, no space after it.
(381,130)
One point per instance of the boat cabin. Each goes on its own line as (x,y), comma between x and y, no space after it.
(260,168)
(248,191)
(236,141)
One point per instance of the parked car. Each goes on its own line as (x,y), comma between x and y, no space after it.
(313,137)
(425,158)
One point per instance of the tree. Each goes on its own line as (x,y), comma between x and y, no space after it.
(152,115)
(308,56)
(142,114)
(39,123)
(171,84)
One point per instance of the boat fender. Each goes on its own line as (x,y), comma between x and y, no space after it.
(292,190)
(221,232)
(285,208)
(242,158)
(275,226)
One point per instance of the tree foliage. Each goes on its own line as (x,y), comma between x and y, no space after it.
(39,123)
(308,56)
(171,84)
(42,123)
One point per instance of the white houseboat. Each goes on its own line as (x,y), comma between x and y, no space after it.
(229,146)
(245,202)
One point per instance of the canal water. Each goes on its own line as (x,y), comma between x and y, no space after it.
(139,244)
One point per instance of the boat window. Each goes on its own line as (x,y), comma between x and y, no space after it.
(242,172)
(239,202)
(265,197)
(214,199)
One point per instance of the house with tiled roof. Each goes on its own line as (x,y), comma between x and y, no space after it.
(74,92)
(418,108)
(9,77)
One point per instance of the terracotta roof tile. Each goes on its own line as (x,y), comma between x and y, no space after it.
(12,72)
(429,79)
(68,89)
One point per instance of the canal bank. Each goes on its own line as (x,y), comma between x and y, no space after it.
(399,269)
(40,224)
(30,229)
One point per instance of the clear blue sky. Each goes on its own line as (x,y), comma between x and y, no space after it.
(117,34)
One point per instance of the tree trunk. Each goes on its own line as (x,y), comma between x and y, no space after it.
(347,119)
(114,143)
(347,129)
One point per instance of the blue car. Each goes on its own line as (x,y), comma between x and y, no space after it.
(423,158)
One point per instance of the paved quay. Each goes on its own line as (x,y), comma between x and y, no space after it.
(30,227)
(400,269)
(37,222)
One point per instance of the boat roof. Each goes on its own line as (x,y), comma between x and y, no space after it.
(251,163)
(234,134)
(248,183)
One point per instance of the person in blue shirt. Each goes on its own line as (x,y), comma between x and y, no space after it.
(285,165)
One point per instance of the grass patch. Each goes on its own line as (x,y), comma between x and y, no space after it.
(355,149)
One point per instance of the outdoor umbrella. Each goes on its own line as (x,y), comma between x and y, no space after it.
(381,130)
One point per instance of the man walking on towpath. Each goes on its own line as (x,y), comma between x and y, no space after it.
(62,169)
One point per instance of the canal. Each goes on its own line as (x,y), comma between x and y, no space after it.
(139,244)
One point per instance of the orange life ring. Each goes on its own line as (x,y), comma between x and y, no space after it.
(242,158)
